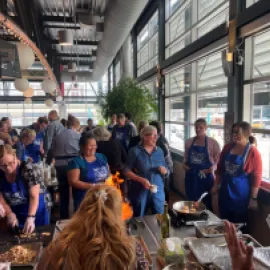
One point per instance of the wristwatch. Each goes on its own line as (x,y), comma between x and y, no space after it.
(254,199)
(32,216)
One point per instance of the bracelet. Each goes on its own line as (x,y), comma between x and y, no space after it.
(31,216)
(254,199)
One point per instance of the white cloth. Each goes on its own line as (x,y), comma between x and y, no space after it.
(29,225)
(2,211)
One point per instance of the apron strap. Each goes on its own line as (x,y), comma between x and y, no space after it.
(246,152)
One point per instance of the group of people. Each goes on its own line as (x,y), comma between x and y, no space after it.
(232,177)
(85,158)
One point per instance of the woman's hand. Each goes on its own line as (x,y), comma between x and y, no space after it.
(253,204)
(2,211)
(241,255)
(12,220)
(146,184)
(186,167)
(30,160)
(162,170)
(29,225)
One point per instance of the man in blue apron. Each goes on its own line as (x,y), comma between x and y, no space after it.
(196,181)
(235,188)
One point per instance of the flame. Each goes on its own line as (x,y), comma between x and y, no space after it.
(115,181)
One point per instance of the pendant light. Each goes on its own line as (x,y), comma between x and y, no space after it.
(65,36)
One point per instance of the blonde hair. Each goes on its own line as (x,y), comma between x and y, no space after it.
(96,236)
(28,133)
(6,149)
(142,124)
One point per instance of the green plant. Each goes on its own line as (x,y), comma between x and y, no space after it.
(128,96)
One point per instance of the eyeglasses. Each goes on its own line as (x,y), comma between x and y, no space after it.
(151,134)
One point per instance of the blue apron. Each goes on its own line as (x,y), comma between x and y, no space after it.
(235,188)
(17,197)
(97,171)
(198,159)
(146,166)
(121,136)
(33,150)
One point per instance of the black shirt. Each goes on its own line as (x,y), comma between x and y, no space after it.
(114,153)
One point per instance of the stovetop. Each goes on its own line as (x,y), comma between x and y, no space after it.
(177,219)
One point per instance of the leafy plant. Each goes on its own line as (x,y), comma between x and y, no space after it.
(128,96)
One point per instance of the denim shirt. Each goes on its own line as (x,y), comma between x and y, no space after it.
(146,165)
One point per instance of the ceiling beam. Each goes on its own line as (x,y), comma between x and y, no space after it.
(61,26)
(57,19)
(80,42)
(73,55)
(79,63)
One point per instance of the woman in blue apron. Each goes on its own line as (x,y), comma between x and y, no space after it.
(86,170)
(24,199)
(35,147)
(201,157)
(239,175)
(146,168)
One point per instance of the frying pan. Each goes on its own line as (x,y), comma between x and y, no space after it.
(180,207)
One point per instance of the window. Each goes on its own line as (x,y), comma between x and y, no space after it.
(117,73)
(151,86)
(7,88)
(111,77)
(195,90)
(257,93)
(186,21)
(147,56)
(251,2)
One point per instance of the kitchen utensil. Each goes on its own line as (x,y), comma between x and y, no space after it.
(189,207)
(202,197)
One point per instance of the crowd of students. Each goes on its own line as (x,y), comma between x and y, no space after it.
(85,158)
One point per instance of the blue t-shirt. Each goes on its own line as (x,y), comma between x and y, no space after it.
(39,138)
(33,151)
(90,172)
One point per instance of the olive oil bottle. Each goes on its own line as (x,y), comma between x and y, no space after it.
(165,223)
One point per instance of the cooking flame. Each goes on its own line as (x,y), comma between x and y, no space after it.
(114,180)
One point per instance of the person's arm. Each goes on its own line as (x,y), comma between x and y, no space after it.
(5,204)
(33,200)
(49,136)
(185,166)
(41,148)
(53,148)
(74,180)
(130,165)
(254,161)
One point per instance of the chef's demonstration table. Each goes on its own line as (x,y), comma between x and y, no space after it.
(148,228)
(8,237)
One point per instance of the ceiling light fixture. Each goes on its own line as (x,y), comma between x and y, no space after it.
(65,38)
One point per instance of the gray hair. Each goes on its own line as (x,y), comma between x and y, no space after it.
(101,134)
(147,130)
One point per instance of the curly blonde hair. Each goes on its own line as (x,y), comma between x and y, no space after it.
(96,236)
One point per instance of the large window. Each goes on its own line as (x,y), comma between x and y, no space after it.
(257,93)
(7,88)
(147,56)
(151,86)
(186,21)
(195,90)
(251,2)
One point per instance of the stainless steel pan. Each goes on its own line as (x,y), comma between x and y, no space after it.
(189,207)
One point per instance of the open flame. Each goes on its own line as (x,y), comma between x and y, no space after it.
(115,181)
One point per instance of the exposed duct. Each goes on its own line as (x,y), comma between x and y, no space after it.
(122,15)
